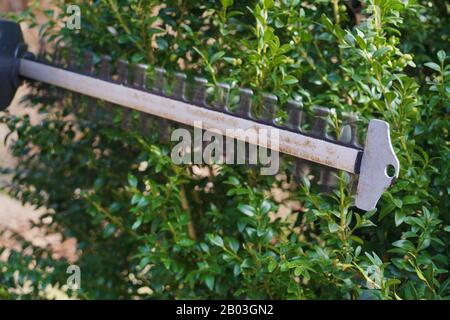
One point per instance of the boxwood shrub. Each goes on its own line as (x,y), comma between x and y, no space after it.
(147,228)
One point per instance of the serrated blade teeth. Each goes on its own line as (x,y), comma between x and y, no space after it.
(199,94)
(179,86)
(159,83)
(61,55)
(245,102)
(346,134)
(295,115)
(88,69)
(140,76)
(320,125)
(72,59)
(105,74)
(88,66)
(198,91)
(349,131)
(140,82)
(72,65)
(42,50)
(105,68)
(221,96)
(269,107)
(159,87)
(58,56)
(123,78)
(58,59)
(122,71)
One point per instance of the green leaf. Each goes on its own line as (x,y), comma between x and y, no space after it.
(237,270)
(162,43)
(272,265)
(441,56)
(268,4)
(433,66)
(186,242)
(136,198)
(377,259)
(132,181)
(226,3)
(279,23)
(216,240)
(136,224)
(381,52)
(360,40)
(404,244)
(357,239)
(392,282)
(109,230)
(112,30)
(144,261)
(137,58)
(410,200)
(233,181)
(386,209)
(115,207)
(327,22)
(290,80)
(99,182)
(265,207)
(234,245)
(245,263)
(298,271)
(358,251)
(420,275)
(247,210)
(399,217)
(143,202)
(284,48)
(398,203)
(216,56)
(332,226)
(209,281)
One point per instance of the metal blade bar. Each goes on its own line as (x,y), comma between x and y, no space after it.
(298,145)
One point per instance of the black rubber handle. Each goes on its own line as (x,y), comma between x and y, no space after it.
(12,48)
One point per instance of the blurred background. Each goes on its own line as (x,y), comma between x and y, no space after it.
(14,216)
(12,5)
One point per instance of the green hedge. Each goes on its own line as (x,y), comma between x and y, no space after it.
(151,229)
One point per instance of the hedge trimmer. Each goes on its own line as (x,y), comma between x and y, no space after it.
(371,163)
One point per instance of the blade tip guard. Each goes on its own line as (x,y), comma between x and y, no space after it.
(378,155)
(12,48)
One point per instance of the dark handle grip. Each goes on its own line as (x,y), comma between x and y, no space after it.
(12,49)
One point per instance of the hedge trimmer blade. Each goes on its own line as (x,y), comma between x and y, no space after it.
(371,162)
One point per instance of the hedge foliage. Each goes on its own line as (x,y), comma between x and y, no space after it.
(150,229)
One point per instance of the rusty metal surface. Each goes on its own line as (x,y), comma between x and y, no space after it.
(296,144)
